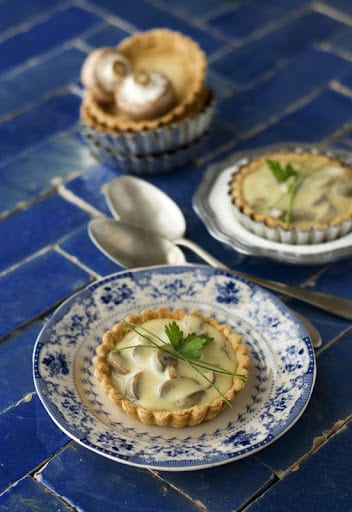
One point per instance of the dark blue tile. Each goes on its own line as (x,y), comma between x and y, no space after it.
(34,126)
(23,178)
(215,488)
(311,71)
(126,487)
(39,79)
(30,496)
(254,60)
(330,403)
(31,437)
(15,12)
(186,8)
(321,483)
(247,17)
(108,35)
(144,16)
(41,224)
(57,29)
(33,288)
(79,245)
(337,279)
(341,6)
(16,379)
(342,40)
(89,186)
(315,121)
(221,87)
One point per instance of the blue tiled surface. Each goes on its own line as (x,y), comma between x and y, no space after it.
(28,496)
(257,58)
(31,437)
(281,71)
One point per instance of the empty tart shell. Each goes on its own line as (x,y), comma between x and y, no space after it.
(177,57)
(168,418)
(322,204)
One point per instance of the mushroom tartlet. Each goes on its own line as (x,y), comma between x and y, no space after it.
(295,198)
(151,381)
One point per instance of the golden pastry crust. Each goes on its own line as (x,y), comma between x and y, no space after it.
(170,53)
(177,418)
(236,187)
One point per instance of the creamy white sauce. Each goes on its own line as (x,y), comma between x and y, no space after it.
(166,388)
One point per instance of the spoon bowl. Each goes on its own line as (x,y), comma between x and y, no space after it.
(133,247)
(138,202)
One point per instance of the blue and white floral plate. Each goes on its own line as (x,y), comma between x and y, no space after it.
(282,370)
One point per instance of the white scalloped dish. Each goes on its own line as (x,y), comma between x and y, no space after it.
(213,204)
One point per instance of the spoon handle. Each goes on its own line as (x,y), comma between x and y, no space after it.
(331,303)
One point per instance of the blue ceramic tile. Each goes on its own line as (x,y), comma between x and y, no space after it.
(30,496)
(215,488)
(23,178)
(29,85)
(34,126)
(341,6)
(346,81)
(109,35)
(33,288)
(342,40)
(221,87)
(41,224)
(79,245)
(145,16)
(251,16)
(55,30)
(89,185)
(322,482)
(331,402)
(337,279)
(31,437)
(313,122)
(16,379)
(312,70)
(255,59)
(198,9)
(123,486)
(15,12)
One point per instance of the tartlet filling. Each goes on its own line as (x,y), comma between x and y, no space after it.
(156,380)
(317,193)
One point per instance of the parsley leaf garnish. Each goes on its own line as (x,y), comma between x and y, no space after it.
(281,174)
(189,346)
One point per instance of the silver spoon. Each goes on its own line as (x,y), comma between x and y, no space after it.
(138,202)
(132,246)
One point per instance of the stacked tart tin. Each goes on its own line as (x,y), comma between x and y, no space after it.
(146,108)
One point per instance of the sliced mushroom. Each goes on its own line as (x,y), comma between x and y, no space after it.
(117,363)
(132,386)
(344,189)
(320,200)
(190,400)
(170,384)
(161,359)
(301,215)
(328,215)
